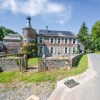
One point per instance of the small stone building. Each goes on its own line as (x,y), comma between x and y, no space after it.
(12,42)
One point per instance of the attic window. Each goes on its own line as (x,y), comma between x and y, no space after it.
(60,34)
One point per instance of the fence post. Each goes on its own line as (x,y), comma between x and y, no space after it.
(25,62)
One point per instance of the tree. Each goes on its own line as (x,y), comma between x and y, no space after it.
(95,36)
(30,49)
(5,31)
(1,35)
(83,36)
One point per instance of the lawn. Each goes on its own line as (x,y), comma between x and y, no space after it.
(50,76)
(32,61)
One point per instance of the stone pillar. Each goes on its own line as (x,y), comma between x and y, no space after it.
(25,62)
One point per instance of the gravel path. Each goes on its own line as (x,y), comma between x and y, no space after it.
(21,91)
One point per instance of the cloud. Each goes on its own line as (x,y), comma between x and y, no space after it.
(44,8)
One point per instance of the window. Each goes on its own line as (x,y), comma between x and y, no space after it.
(65,49)
(74,41)
(40,49)
(74,49)
(51,50)
(40,39)
(23,32)
(52,40)
(59,40)
(65,40)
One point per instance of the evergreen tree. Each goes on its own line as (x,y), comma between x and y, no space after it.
(83,36)
(95,36)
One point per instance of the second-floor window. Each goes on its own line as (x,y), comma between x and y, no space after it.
(65,40)
(40,40)
(59,40)
(52,40)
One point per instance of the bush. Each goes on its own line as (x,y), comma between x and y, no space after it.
(30,49)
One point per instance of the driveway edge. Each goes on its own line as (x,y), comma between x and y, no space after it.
(61,89)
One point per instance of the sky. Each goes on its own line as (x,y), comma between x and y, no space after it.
(66,15)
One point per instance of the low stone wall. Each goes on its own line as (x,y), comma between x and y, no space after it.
(12,64)
(57,62)
(74,59)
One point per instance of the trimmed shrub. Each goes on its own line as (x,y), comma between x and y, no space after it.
(30,49)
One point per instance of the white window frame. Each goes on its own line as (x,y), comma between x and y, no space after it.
(76,41)
(39,39)
(68,41)
(65,49)
(50,40)
(65,40)
(42,50)
(50,50)
(72,40)
(60,40)
(72,50)
(68,50)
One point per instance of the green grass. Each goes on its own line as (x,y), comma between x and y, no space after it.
(32,61)
(98,52)
(51,75)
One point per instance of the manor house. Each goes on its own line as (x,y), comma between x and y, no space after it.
(50,42)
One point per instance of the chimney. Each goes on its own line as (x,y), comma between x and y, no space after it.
(47,28)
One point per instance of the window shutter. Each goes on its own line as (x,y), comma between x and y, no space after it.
(68,41)
(50,40)
(42,39)
(53,40)
(38,39)
(72,41)
(60,40)
(76,41)
(64,50)
(67,50)
(64,40)
(57,40)
(72,50)
(53,50)
(42,49)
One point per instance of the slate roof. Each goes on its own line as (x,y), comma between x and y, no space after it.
(55,33)
(12,37)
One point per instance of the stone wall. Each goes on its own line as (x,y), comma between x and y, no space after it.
(57,62)
(12,64)
(74,59)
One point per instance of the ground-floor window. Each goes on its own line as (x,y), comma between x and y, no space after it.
(51,50)
(65,49)
(40,49)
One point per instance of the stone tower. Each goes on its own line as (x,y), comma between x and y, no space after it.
(29,34)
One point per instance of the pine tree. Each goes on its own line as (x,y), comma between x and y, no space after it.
(83,36)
